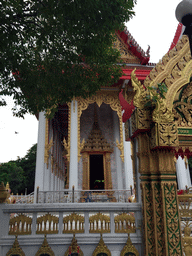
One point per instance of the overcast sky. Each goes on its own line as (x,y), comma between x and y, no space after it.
(154,24)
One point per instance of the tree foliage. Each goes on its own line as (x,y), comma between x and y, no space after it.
(20,173)
(58,49)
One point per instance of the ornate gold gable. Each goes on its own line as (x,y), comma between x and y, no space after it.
(129,248)
(101,248)
(45,249)
(126,55)
(74,248)
(16,249)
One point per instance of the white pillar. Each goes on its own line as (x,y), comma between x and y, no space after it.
(73,165)
(117,152)
(41,172)
(127,162)
(183,176)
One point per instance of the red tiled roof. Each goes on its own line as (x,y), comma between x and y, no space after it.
(134,47)
(178,34)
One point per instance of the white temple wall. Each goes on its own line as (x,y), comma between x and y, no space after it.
(183,176)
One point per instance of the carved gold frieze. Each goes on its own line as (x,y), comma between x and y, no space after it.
(101,249)
(74,248)
(125,223)
(73,223)
(15,249)
(45,249)
(99,223)
(129,248)
(164,134)
(20,225)
(47,224)
(100,97)
(182,106)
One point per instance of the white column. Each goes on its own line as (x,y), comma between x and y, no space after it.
(73,166)
(183,176)
(127,162)
(41,172)
(117,152)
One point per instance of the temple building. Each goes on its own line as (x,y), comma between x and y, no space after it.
(109,167)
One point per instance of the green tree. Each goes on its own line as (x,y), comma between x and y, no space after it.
(28,164)
(58,49)
(10,172)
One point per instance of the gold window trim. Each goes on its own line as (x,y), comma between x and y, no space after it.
(101,248)
(15,249)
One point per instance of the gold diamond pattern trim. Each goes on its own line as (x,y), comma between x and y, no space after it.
(15,249)
(20,225)
(100,97)
(125,223)
(101,248)
(45,249)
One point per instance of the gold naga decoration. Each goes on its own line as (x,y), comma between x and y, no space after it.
(48,145)
(67,144)
(101,248)
(74,248)
(15,249)
(45,249)
(99,223)
(107,97)
(129,248)
(20,225)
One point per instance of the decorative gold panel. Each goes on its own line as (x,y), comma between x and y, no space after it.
(129,248)
(15,249)
(45,249)
(164,134)
(101,248)
(100,97)
(20,225)
(74,248)
(99,223)
(47,224)
(125,223)
(73,223)
(3,193)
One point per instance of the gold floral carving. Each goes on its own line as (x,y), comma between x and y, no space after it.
(171,216)
(99,223)
(45,249)
(164,134)
(100,97)
(15,249)
(101,248)
(74,248)
(73,223)
(129,248)
(47,224)
(182,107)
(125,223)
(48,144)
(67,144)
(20,225)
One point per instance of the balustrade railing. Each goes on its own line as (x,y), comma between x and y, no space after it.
(84,196)
(69,218)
